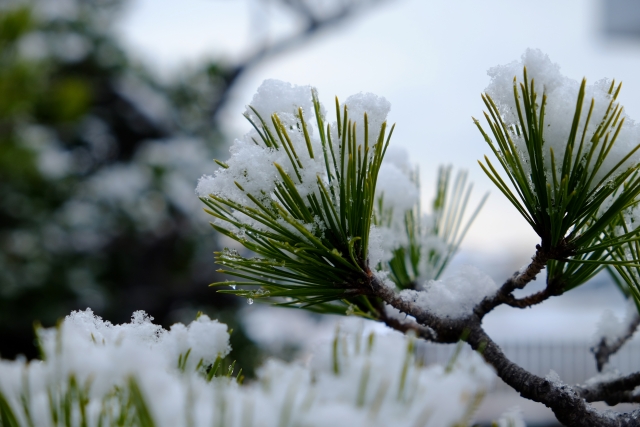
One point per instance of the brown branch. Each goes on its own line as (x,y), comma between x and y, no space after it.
(447,330)
(622,397)
(567,403)
(408,325)
(554,288)
(519,280)
(605,349)
(612,392)
(569,407)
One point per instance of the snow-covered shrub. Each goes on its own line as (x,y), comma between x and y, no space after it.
(93,373)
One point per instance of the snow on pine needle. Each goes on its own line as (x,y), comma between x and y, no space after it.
(417,247)
(299,192)
(323,212)
(566,148)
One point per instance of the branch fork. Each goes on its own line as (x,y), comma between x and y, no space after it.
(570,404)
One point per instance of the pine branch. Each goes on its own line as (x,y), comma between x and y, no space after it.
(612,392)
(415,261)
(519,280)
(566,402)
(565,200)
(447,330)
(309,226)
(577,206)
(551,290)
(408,325)
(568,405)
(605,348)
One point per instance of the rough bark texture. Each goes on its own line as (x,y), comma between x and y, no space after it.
(518,281)
(612,392)
(570,404)
(569,407)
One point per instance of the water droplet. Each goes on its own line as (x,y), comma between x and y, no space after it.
(250,301)
(233,286)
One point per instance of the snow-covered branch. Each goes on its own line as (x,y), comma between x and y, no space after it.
(611,388)
(567,403)
(609,343)
(519,280)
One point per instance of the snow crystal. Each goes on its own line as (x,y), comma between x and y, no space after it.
(252,163)
(89,347)
(562,94)
(609,327)
(603,377)
(399,194)
(553,378)
(381,242)
(431,244)
(383,278)
(455,296)
(281,329)
(376,361)
(399,191)
(282,98)
(393,313)
(398,157)
(206,338)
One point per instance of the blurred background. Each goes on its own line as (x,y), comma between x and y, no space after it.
(110,110)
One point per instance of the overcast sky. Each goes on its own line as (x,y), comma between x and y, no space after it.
(428,58)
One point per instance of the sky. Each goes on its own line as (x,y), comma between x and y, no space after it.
(428,58)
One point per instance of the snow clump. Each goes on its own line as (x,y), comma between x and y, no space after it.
(612,329)
(250,177)
(455,296)
(562,94)
(251,169)
(399,193)
(357,379)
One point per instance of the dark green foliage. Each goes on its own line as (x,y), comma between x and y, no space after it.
(65,122)
(566,205)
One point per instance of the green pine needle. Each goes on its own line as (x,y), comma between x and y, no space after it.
(298,260)
(448,226)
(567,206)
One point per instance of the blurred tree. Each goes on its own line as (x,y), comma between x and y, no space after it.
(98,158)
